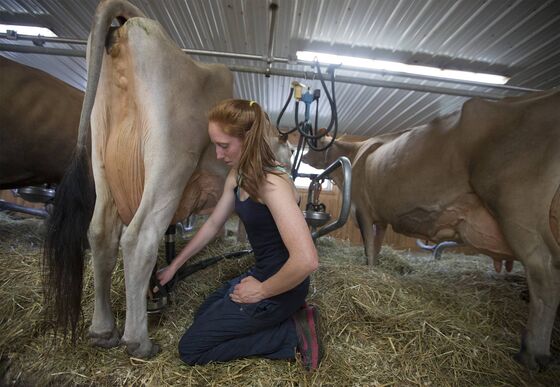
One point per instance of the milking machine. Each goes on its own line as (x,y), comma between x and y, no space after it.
(315,212)
(309,133)
(34,194)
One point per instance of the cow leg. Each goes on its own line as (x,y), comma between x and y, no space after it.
(140,243)
(537,250)
(104,233)
(544,291)
(379,234)
(365,224)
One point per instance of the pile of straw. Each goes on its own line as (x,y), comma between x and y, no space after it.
(409,321)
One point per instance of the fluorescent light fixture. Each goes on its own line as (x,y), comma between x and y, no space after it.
(27,30)
(383,65)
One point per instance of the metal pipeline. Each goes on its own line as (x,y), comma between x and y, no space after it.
(270,57)
(437,249)
(265,58)
(7,206)
(268,71)
(343,162)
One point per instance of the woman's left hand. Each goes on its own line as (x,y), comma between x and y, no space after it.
(248,291)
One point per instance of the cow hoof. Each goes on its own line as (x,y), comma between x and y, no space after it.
(144,350)
(532,362)
(105,340)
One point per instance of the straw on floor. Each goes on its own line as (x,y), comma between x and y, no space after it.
(410,321)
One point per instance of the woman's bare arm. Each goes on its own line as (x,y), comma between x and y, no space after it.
(207,232)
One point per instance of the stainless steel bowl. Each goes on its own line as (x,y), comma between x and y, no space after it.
(316,218)
(36,194)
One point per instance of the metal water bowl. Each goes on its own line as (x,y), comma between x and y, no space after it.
(36,194)
(316,218)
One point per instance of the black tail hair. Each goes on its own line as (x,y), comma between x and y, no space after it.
(65,245)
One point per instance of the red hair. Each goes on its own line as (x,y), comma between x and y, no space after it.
(247,121)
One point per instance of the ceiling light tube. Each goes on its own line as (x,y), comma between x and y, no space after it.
(27,30)
(382,65)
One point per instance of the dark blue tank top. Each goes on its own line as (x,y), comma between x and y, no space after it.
(268,247)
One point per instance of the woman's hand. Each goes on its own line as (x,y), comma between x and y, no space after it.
(166,274)
(248,291)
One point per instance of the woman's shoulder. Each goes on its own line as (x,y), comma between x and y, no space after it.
(277,175)
(277,182)
(231,178)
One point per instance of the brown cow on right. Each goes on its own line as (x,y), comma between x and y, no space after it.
(488,176)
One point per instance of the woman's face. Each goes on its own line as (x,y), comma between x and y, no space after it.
(228,148)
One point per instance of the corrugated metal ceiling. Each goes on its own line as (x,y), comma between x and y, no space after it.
(520,39)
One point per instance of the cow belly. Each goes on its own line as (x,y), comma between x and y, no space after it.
(464,219)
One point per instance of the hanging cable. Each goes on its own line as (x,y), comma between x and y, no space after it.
(309,133)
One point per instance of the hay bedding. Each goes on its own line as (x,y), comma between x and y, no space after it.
(412,321)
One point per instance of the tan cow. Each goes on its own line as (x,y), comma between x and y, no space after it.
(39,117)
(488,176)
(151,165)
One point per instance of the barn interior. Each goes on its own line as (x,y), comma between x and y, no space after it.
(414,320)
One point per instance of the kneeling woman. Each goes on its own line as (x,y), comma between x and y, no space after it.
(262,312)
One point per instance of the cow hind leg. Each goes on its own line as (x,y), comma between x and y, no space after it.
(140,243)
(544,291)
(104,233)
(140,246)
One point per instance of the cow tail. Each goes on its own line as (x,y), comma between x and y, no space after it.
(65,245)
(67,226)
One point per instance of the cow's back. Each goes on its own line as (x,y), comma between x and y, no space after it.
(38,125)
(151,106)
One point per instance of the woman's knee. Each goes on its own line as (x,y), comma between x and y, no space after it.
(187,353)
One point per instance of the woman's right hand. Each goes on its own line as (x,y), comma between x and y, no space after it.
(166,274)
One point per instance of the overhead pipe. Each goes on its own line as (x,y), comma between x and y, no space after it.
(393,73)
(279,72)
(368,82)
(273,9)
(42,50)
(269,58)
(38,39)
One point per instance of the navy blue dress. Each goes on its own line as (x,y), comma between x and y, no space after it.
(224,330)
